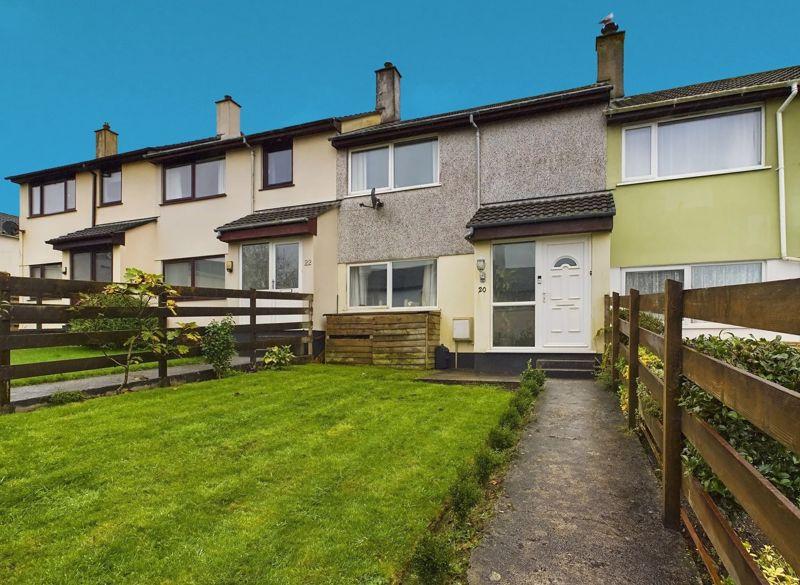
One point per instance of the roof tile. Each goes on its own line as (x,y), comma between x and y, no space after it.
(100,230)
(291,214)
(541,209)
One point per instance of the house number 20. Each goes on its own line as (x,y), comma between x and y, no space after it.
(481,289)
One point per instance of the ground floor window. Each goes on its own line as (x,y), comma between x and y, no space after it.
(400,284)
(95,264)
(52,270)
(514,294)
(271,265)
(648,281)
(207,272)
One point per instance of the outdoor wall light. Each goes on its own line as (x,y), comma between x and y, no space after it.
(64,270)
(229,265)
(480,264)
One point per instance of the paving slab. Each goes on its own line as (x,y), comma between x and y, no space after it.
(580,504)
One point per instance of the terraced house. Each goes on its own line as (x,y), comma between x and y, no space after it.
(498,229)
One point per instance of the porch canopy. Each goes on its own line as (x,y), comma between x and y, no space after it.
(280,221)
(98,235)
(544,216)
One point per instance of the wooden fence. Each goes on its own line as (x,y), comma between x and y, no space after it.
(775,410)
(251,337)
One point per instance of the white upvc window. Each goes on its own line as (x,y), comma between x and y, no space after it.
(513,294)
(409,164)
(273,265)
(651,280)
(722,142)
(402,284)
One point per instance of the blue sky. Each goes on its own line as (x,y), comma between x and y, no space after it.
(154,68)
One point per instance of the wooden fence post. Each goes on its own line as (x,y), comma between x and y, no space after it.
(163,322)
(633,359)
(253,319)
(673,365)
(614,339)
(606,320)
(5,354)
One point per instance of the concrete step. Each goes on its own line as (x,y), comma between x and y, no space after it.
(577,363)
(570,373)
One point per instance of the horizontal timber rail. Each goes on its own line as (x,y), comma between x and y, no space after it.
(772,408)
(48,307)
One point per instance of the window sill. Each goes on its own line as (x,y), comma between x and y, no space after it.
(192,199)
(389,309)
(693,175)
(111,204)
(54,213)
(397,190)
(277,186)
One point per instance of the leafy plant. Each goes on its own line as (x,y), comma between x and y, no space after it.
(66,397)
(532,377)
(486,461)
(501,438)
(141,291)
(219,345)
(278,357)
(465,493)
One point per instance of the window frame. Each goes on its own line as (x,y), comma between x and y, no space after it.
(654,124)
(272,264)
(41,185)
(391,146)
(193,164)
(193,272)
(103,202)
(389,282)
(92,262)
(41,268)
(276,146)
(534,303)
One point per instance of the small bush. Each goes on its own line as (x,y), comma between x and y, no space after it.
(486,461)
(278,357)
(532,377)
(522,401)
(219,346)
(501,438)
(465,493)
(103,324)
(431,559)
(511,419)
(66,397)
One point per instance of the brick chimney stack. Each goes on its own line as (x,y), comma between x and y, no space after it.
(387,93)
(105,141)
(228,123)
(610,47)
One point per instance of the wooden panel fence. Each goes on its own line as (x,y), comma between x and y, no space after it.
(52,303)
(774,409)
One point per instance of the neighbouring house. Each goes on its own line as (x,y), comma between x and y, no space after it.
(10,259)
(233,210)
(706,182)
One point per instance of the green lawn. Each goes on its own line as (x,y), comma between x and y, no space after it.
(48,354)
(317,474)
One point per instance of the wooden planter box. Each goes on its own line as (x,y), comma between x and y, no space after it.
(400,340)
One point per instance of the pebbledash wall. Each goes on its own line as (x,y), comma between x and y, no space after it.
(552,153)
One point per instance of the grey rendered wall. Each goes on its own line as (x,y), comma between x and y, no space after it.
(551,154)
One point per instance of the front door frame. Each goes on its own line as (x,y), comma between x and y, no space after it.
(540,246)
(585,243)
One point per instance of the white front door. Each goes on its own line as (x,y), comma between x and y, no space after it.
(565,293)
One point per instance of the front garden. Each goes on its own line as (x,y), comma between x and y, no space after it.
(315,474)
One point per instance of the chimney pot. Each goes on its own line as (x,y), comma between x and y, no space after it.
(610,47)
(105,141)
(228,118)
(387,92)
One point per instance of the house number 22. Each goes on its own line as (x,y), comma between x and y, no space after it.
(307,262)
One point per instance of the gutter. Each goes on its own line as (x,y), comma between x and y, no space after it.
(692,98)
(782,175)
(250,226)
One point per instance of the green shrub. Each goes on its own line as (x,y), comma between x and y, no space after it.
(219,346)
(103,324)
(431,559)
(486,461)
(465,493)
(278,357)
(511,419)
(501,438)
(66,397)
(532,377)
(522,401)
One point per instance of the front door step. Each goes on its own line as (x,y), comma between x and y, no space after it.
(572,367)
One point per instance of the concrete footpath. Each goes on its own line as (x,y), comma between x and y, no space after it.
(580,503)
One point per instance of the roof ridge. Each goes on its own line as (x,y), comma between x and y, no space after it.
(525,200)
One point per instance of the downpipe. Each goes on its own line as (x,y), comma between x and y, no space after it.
(782,176)
(477,158)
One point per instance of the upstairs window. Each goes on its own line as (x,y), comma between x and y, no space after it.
(111,187)
(195,180)
(401,165)
(53,197)
(717,143)
(277,171)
